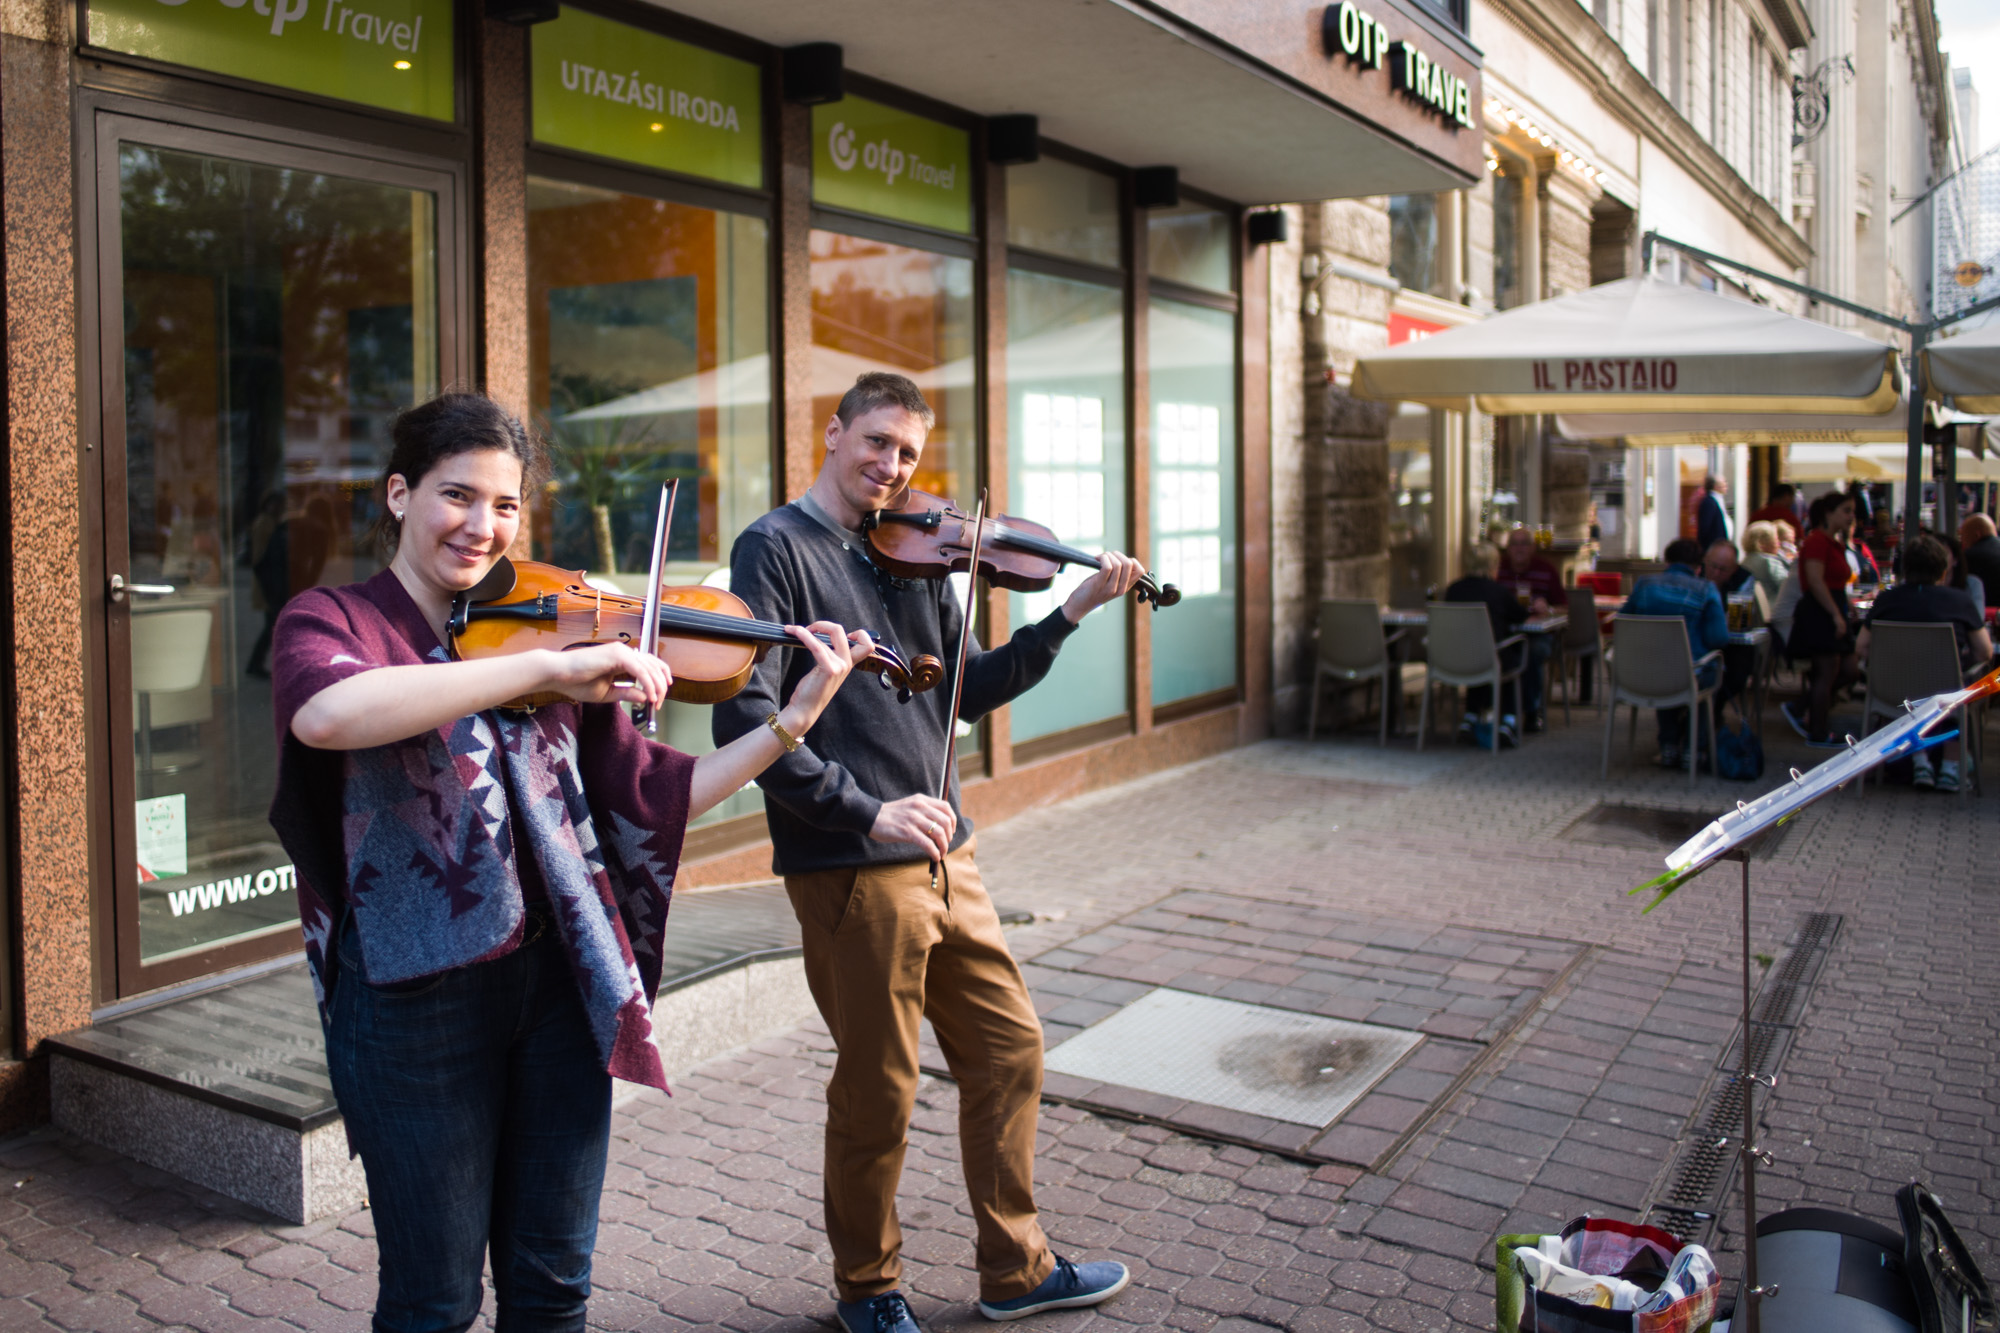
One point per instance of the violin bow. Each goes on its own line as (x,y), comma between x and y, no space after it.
(649,631)
(958,676)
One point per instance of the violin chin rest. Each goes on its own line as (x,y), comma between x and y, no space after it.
(499,581)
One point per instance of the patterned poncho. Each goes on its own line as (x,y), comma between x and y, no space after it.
(418,840)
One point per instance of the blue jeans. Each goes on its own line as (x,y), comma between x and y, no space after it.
(1534,671)
(482,1115)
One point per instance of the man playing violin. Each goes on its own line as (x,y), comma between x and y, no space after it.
(856,829)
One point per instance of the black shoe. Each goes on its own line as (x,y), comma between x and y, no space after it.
(1795,716)
(1537,723)
(887,1313)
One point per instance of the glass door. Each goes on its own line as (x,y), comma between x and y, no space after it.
(265,312)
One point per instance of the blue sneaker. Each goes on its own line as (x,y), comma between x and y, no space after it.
(887,1313)
(1069,1287)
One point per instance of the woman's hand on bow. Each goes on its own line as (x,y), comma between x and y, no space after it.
(608,673)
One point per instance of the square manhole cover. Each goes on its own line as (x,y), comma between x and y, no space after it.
(1298,1068)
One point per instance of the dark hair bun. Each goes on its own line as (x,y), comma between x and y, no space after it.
(450,424)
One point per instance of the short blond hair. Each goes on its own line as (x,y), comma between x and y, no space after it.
(1761,536)
(1482,558)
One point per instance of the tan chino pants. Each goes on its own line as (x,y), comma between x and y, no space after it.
(882,951)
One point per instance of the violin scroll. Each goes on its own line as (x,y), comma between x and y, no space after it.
(905,678)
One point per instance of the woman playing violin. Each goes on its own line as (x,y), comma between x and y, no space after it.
(483,892)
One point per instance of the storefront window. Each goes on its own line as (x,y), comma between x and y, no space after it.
(1192,370)
(1413,240)
(649,357)
(1060,208)
(1066,469)
(878,306)
(1506,240)
(275,320)
(1410,537)
(1191,243)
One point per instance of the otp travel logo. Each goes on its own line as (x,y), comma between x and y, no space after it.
(880,155)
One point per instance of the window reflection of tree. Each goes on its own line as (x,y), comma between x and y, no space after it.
(309,278)
(608,342)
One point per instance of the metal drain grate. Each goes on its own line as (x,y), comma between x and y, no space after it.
(1783,997)
(1705,1166)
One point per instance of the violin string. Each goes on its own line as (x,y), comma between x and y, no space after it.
(695,620)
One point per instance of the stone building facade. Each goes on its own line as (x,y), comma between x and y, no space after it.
(1599,125)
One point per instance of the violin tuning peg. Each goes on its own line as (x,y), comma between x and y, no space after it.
(903,695)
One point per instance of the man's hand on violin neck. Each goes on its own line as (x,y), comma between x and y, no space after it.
(923,820)
(1116,576)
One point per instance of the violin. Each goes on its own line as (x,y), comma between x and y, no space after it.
(927,537)
(707,637)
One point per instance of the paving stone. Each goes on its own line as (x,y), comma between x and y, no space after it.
(1313,876)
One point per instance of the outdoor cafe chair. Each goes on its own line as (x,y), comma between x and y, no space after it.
(1583,644)
(1914,661)
(1461,653)
(1653,666)
(1353,650)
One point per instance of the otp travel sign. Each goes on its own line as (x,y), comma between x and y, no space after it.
(392,54)
(1350,31)
(874,159)
(618,91)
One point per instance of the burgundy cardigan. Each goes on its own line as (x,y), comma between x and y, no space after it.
(417,839)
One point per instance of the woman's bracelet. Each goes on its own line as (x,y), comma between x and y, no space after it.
(785,738)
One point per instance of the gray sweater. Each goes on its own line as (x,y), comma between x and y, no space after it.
(867,748)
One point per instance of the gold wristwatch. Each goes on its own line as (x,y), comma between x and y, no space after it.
(785,738)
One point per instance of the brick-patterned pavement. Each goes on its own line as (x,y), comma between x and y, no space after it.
(711,1214)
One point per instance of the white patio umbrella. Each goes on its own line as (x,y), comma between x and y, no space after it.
(1967,369)
(1640,345)
(1811,463)
(1655,430)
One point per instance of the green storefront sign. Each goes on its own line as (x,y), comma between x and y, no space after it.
(618,91)
(874,159)
(393,54)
